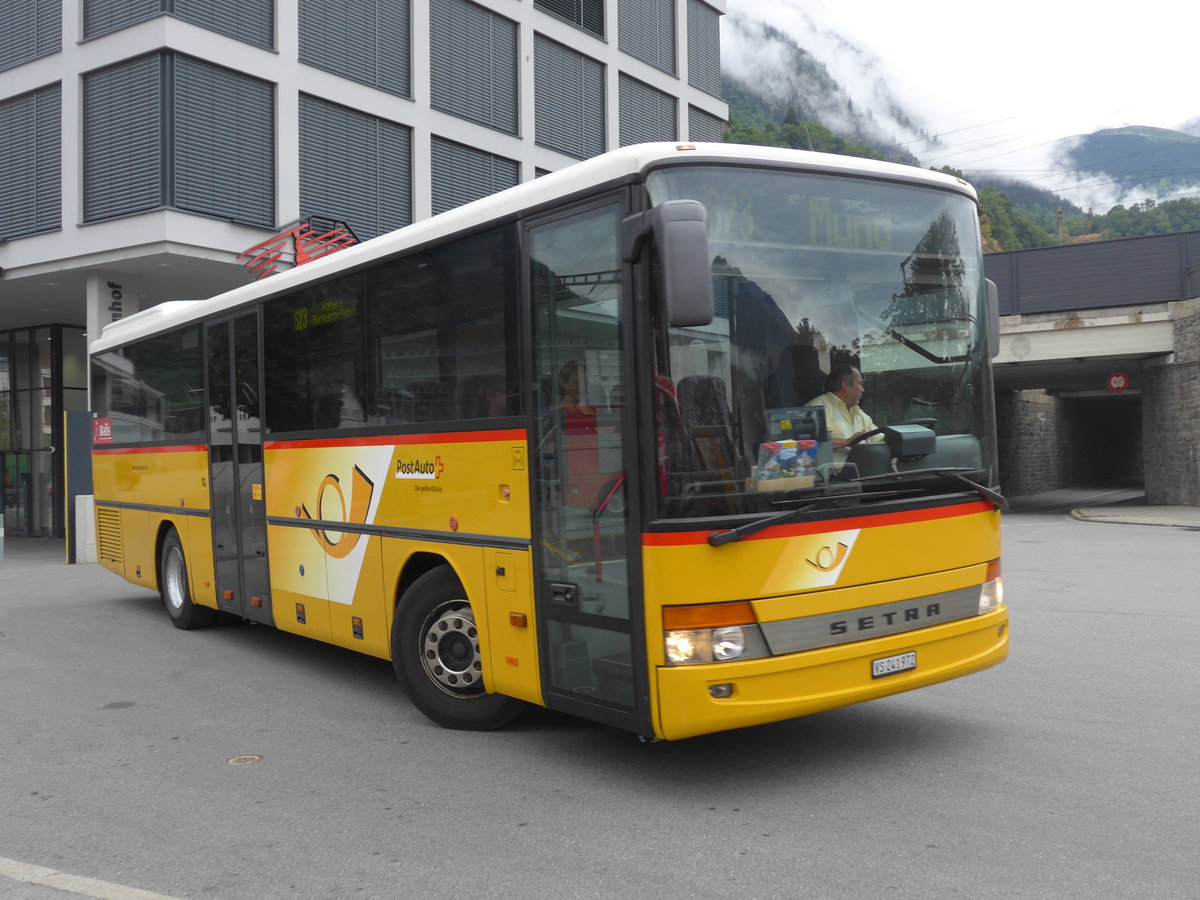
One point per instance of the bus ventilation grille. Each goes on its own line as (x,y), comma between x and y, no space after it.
(109,546)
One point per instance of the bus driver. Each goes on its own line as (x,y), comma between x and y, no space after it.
(844,417)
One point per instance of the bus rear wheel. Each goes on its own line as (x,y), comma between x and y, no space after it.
(173,586)
(435,652)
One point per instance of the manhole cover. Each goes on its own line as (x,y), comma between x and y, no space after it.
(248,759)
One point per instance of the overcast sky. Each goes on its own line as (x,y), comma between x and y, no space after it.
(1000,82)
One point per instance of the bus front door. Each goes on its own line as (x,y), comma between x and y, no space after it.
(236,469)
(587,549)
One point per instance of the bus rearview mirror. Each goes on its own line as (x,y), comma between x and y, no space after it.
(680,231)
(993,318)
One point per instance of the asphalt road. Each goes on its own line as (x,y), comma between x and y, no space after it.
(1069,771)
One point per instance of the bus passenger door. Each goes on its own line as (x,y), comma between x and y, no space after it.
(586,553)
(236,469)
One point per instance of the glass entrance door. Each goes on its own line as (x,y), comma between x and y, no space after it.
(236,469)
(587,601)
(16,493)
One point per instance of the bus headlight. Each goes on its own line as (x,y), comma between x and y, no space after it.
(706,645)
(685,647)
(991,593)
(728,643)
(712,632)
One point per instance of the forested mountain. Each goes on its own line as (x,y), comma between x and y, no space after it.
(781,94)
(1137,158)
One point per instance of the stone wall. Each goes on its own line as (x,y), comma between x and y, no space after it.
(1029,428)
(1171,417)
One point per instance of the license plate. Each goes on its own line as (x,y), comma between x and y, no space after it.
(891,665)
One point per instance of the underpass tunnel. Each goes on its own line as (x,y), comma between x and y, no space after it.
(1050,440)
(1102,440)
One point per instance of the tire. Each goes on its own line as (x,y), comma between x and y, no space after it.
(435,652)
(173,587)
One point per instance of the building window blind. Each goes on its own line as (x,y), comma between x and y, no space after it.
(569,100)
(172,131)
(31,29)
(354,167)
(123,139)
(367,41)
(462,174)
(586,14)
(473,64)
(31,178)
(646,31)
(251,21)
(102,17)
(704,48)
(704,126)
(224,143)
(646,114)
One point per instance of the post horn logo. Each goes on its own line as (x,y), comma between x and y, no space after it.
(339,544)
(829,558)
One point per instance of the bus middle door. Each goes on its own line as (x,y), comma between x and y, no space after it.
(236,469)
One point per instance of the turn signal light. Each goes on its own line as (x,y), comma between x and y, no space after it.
(708,615)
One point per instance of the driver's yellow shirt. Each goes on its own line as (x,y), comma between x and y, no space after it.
(844,422)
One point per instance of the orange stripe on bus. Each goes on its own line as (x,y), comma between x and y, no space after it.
(116,451)
(690,538)
(454,437)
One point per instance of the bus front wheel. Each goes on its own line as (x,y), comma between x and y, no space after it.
(173,586)
(435,652)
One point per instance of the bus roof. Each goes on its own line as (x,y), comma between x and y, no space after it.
(609,168)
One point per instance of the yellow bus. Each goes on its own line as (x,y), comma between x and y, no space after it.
(569,445)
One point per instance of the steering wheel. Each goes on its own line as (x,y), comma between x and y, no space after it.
(862,437)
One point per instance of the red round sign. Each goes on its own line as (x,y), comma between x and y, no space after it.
(1117,382)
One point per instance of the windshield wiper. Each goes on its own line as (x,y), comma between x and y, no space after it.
(997,499)
(729,535)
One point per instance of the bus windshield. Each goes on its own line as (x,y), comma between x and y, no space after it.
(816,275)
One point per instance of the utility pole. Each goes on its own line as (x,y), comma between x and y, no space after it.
(1060,231)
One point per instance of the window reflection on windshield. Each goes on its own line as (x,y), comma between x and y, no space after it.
(811,273)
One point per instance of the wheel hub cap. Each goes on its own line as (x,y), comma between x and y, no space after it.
(450,650)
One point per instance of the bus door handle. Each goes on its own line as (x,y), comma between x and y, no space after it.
(565,594)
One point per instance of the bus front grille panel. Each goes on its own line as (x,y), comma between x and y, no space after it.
(848,626)
(109,546)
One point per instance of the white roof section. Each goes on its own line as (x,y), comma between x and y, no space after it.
(608,168)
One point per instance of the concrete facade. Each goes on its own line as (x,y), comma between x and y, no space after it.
(1096,385)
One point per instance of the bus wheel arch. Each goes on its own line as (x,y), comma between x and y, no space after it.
(173,585)
(436,656)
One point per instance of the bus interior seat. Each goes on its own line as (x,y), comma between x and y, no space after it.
(327,410)
(475,396)
(797,378)
(675,451)
(704,407)
(431,401)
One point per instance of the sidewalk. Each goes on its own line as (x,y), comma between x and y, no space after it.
(1177,516)
(1118,505)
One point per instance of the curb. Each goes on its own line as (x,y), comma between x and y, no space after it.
(1087,515)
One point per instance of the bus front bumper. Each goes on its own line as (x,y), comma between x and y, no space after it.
(798,684)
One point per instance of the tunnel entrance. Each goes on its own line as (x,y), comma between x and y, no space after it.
(1101,440)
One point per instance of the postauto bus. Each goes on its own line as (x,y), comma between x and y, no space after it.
(568,445)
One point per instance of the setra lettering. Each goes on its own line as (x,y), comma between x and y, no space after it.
(893,617)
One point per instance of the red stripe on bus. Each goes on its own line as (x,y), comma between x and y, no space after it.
(453,437)
(689,538)
(116,451)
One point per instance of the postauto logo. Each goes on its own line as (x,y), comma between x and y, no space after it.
(424,469)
